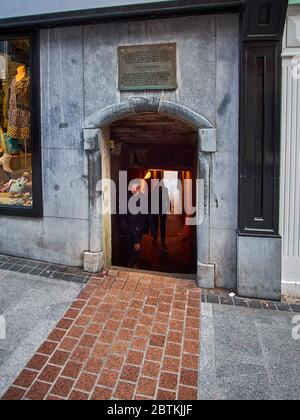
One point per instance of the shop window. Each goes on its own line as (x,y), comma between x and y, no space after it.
(20,177)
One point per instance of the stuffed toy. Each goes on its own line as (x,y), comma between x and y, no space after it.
(18,186)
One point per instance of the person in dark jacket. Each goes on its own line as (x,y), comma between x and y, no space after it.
(133,227)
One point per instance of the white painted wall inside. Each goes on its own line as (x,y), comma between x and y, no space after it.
(290,155)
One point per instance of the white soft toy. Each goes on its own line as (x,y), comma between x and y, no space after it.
(18,185)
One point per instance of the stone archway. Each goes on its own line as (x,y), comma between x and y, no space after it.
(96,136)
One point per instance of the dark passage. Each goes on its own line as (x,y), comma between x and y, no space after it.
(178,257)
(149,147)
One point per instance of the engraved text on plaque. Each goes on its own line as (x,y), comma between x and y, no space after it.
(148,67)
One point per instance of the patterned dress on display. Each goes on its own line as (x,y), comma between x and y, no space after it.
(2,97)
(19,110)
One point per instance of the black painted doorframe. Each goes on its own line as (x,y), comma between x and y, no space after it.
(260,109)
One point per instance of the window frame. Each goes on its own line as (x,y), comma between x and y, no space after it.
(36,211)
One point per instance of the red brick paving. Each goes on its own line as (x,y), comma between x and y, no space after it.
(127,336)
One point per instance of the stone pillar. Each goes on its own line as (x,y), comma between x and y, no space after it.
(205,270)
(106,239)
(290,156)
(93,258)
(259,267)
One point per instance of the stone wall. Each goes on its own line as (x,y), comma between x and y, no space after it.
(79,77)
(290,155)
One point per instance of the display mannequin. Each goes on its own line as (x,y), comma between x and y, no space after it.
(19,106)
(2,97)
(19,110)
(21,73)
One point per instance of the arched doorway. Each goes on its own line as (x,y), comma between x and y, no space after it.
(98,143)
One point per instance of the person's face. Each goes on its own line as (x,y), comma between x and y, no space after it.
(135,189)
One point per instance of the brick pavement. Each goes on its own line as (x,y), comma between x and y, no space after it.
(127,336)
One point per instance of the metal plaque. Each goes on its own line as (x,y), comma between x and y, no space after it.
(148,67)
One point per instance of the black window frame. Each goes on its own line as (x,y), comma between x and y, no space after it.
(36,211)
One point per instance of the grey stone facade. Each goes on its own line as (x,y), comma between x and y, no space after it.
(78,79)
(262,279)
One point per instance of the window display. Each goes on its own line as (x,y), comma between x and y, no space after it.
(15,124)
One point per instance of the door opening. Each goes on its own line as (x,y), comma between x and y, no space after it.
(172,248)
(157,148)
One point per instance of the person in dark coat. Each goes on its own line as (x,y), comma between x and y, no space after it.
(133,227)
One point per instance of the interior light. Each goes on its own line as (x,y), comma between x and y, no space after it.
(148,175)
